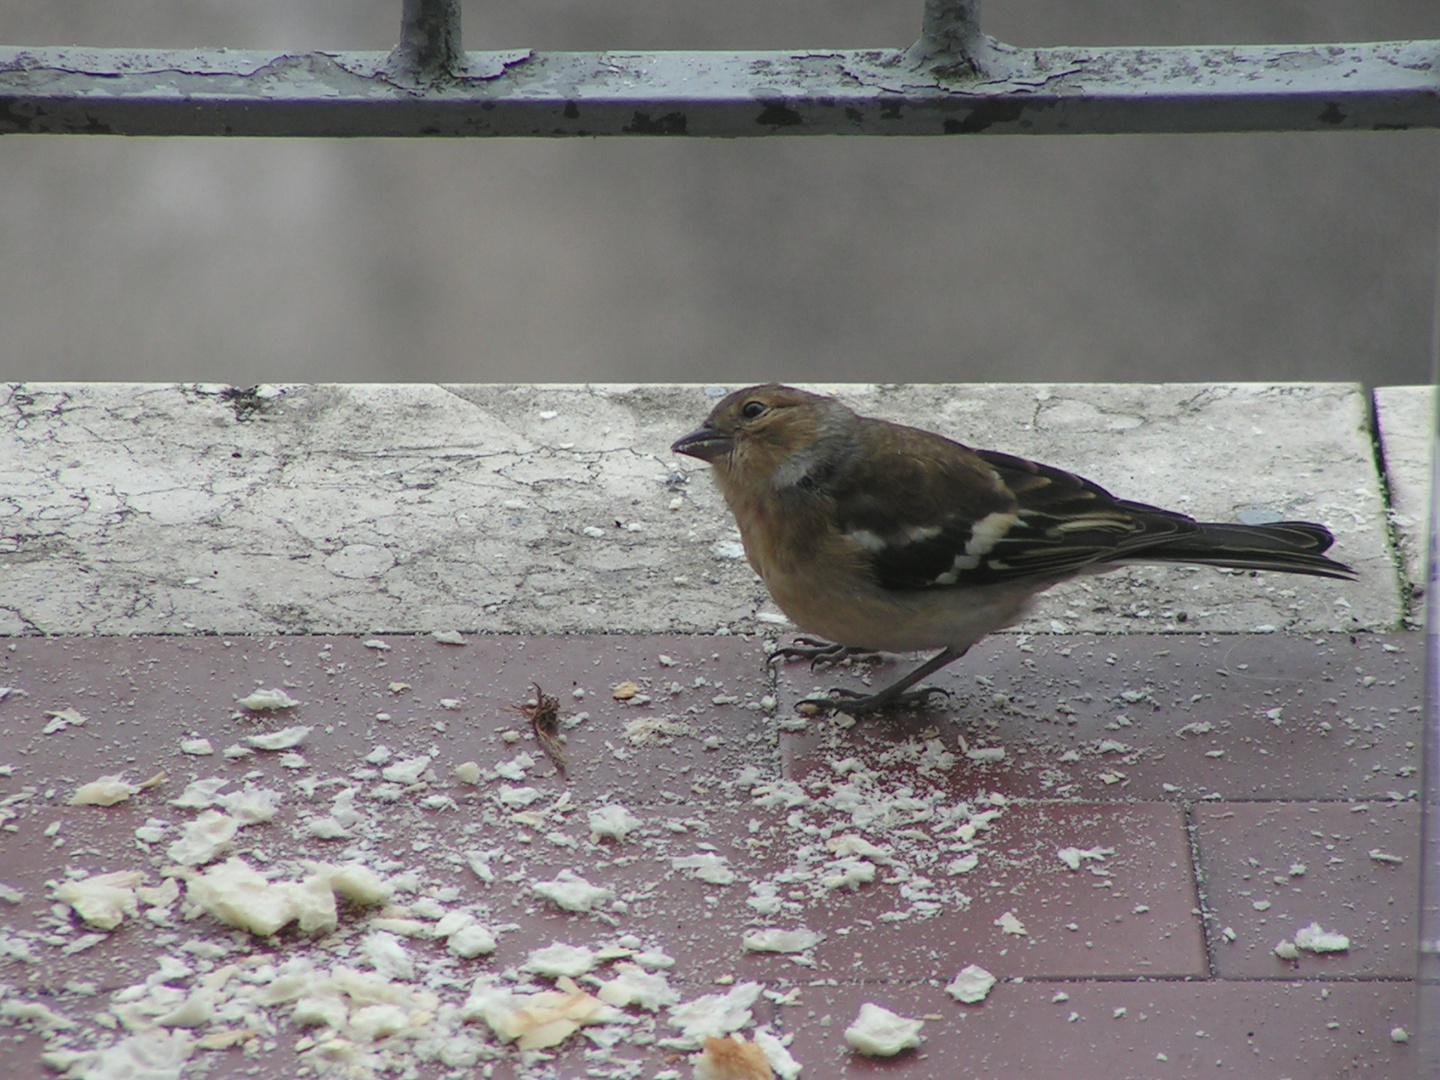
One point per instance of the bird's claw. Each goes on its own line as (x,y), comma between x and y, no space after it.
(819,653)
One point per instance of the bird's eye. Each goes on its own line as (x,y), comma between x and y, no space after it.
(752,409)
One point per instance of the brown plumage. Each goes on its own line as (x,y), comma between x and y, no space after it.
(876,535)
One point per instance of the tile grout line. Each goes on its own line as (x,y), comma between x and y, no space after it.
(1197,877)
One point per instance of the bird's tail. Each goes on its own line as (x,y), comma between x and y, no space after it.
(1295,547)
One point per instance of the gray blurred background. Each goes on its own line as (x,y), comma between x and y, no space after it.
(967,258)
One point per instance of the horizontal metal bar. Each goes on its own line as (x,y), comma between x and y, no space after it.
(1384,85)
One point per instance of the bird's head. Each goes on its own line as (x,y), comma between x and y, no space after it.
(760,427)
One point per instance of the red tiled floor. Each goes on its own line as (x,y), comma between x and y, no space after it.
(1266,716)
(775,805)
(1132,911)
(144,694)
(1241,1030)
(1236,1030)
(1248,852)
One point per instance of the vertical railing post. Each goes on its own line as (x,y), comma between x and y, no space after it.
(951,43)
(430,46)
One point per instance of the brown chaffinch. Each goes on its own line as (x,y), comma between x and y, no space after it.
(878,536)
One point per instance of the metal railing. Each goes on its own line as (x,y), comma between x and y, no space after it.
(953,81)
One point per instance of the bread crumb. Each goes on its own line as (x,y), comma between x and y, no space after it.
(878,1032)
(732,1058)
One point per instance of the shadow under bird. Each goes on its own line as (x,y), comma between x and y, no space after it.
(873,535)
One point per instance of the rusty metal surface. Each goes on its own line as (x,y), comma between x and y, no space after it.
(533,93)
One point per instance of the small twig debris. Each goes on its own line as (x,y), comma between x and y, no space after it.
(544,716)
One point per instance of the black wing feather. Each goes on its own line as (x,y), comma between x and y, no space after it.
(938,514)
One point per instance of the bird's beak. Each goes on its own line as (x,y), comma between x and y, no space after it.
(705,443)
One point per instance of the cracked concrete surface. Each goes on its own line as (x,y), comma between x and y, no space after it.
(146,508)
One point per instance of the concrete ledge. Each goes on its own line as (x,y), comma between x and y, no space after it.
(130,508)
(1405,422)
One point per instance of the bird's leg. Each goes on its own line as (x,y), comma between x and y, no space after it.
(898,692)
(819,653)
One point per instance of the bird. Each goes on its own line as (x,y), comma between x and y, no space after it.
(875,536)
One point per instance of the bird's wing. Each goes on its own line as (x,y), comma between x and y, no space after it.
(932,513)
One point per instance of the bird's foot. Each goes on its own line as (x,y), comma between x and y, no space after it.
(819,653)
(839,699)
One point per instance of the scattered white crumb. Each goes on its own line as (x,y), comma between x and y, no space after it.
(83,942)
(162,895)
(986,755)
(517,798)
(848,844)
(1314,939)
(470,941)
(633,985)
(732,1058)
(535,1021)
(516,767)
(467,772)
(267,700)
(878,1032)
(199,794)
(849,874)
(560,959)
(238,895)
(204,839)
(777,1054)
(572,892)
(375,643)
(714,1014)
(407,772)
(1073,856)
(781,941)
(103,900)
(654,730)
(34,1014)
(612,822)
(971,985)
(1286,950)
(1399,1035)
(449,637)
(388,955)
(283,739)
(1009,924)
(107,791)
(1381,856)
(707,866)
(61,719)
(251,806)
(198,747)
(963,865)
